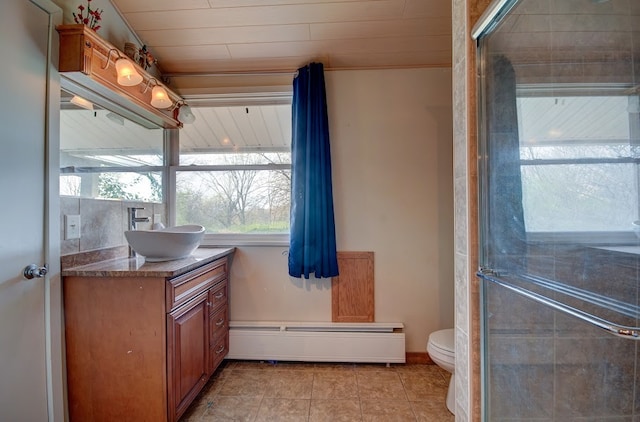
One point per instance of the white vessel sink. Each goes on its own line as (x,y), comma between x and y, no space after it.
(165,244)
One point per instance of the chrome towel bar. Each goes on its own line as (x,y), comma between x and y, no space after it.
(632,333)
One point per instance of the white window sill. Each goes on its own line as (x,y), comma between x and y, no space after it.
(211,240)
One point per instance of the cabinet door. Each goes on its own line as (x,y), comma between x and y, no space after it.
(188,346)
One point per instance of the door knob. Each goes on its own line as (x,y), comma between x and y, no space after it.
(33,271)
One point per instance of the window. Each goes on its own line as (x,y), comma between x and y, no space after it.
(234,172)
(579,161)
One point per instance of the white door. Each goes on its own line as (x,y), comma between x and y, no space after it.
(23,82)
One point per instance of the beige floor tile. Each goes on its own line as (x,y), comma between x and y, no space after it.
(253,365)
(360,367)
(432,411)
(216,382)
(415,368)
(283,410)
(251,383)
(290,384)
(443,373)
(228,364)
(334,385)
(335,411)
(274,365)
(380,385)
(236,409)
(291,391)
(294,366)
(195,411)
(212,389)
(424,386)
(330,366)
(386,411)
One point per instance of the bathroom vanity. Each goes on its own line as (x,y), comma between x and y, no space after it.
(142,339)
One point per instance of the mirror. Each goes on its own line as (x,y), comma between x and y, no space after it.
(104,155)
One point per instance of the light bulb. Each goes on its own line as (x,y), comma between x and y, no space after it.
(160,98)
(127,74)
(81,102)
(185,115)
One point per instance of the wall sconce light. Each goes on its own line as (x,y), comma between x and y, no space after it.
(126,71)
(115,118)
(159,96)
(81,102)
(183,113)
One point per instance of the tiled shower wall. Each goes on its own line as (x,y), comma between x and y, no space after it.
(465,14)
(545,365)
(103,222)
(552,367)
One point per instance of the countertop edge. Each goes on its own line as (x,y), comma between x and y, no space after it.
(138,267)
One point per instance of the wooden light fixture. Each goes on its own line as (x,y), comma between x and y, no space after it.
(85,59)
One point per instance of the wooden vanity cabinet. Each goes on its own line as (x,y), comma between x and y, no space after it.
(190,342)
(141,348)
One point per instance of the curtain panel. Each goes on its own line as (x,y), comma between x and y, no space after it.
(312,245)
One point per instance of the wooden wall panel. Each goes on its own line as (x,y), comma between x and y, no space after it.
(352,291)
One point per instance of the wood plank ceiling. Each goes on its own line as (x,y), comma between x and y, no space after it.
(212,36)
(572,38)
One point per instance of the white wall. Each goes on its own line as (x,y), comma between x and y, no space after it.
(391,148)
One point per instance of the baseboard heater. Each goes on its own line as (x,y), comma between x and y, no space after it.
(317,341)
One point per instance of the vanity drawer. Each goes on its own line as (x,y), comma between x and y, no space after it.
(184,287)
(218,325)
(218,295)
(217,352)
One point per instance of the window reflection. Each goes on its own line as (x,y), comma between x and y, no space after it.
(105,155)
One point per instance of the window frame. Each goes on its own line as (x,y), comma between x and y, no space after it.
(173,156)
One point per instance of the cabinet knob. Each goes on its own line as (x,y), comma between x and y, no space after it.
(209,304)
(220,350)
(219,295)
(220,322)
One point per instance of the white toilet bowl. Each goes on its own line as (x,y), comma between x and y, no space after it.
(441,349)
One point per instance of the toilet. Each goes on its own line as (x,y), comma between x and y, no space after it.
(441,349)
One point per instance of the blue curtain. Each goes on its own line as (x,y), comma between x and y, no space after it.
(507,248)
(312,244)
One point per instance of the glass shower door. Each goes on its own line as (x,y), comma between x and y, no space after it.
(559,154)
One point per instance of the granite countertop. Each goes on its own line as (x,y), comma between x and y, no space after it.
(137,267)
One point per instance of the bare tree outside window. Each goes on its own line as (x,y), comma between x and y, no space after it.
(235,169)
(576,177)
(247,200)
(70,185)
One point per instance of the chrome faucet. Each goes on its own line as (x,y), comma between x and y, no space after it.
(134,219)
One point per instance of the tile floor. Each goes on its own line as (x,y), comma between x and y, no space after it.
(263,391)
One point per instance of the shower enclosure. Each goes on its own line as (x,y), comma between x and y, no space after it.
(559,118)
